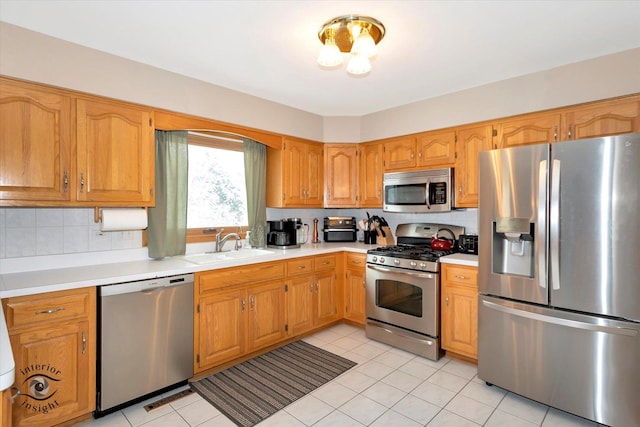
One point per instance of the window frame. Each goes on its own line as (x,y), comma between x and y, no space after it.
(220,140)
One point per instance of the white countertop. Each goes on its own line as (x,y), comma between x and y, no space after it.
(40,281)
(460,259)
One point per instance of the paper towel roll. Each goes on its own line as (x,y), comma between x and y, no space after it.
(122,219)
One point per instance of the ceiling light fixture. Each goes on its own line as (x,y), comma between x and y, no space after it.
(357,35)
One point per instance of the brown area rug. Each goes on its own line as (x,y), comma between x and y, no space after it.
(258,388)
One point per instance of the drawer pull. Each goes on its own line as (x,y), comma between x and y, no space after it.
(458,276)
(50,311)
(326,263)
(301,267)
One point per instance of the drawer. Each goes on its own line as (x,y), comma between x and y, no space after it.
(49,307)
(325,262)
(460,274)
(356,260)
(297,267)
(236,276)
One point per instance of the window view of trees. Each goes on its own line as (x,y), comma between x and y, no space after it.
(217,192)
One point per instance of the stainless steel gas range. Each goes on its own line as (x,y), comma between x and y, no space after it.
(403,288)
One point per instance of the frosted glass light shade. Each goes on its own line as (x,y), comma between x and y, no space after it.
(358,64)
(330,55)
(364,45)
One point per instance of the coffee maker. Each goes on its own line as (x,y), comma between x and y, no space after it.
(282,234)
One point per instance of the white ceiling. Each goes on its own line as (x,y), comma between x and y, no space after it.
(269,48)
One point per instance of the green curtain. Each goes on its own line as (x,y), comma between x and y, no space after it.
(167,230)
(255,172)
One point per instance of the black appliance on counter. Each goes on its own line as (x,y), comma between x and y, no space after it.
(340,229)
(468,244)
(282,234)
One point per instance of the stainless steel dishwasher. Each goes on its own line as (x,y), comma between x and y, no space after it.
(146,339)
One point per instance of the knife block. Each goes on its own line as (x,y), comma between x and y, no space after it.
(387,239)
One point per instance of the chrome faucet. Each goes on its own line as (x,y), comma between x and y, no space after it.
(221,241)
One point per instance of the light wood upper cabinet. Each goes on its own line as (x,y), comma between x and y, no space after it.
(613,117)
(115,153)
(35,143)
(526,130)
(459,310)
(470,141)
(341,175)
(400,153)
(53,338)
(295,174)
(60,148)
(370,175)
(437,149)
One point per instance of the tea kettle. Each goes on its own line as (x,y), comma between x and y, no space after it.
(441,243)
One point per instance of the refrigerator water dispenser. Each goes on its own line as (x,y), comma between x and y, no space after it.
(512,247)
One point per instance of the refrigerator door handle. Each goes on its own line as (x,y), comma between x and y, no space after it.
(542,225)
(561,321)
(554,225)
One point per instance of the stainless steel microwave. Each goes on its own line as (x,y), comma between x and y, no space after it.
(424,191)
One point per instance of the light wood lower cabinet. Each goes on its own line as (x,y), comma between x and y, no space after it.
(238,310)
(459,310)
(354,287)
(313,293)
(54,347)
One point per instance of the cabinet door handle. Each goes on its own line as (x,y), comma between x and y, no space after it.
(50,311)
(555,133)
(84,342)
(364,284)
(317,286)
(570,133)
(446,300)
(81,182)
(252,302)
(16,394)
(244,304)
(65,182)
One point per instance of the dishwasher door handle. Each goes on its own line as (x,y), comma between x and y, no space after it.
(146,286)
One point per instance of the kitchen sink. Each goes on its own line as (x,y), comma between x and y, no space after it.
(212,257)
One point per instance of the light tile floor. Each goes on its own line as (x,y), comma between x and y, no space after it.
(388,387)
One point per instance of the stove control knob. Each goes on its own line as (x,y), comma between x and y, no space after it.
(374,258)
(382,259)
(413,264)
(396,261)
(423,265)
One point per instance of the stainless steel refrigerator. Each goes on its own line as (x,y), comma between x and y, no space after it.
(559,275)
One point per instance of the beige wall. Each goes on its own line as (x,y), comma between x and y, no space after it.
(605,77)
(342,129)
(32,56)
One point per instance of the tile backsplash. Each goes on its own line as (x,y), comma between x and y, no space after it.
(27,232)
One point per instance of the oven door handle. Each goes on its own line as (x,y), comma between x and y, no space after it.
(408,273)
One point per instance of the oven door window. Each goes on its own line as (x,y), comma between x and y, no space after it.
(399,296)
(408,194)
